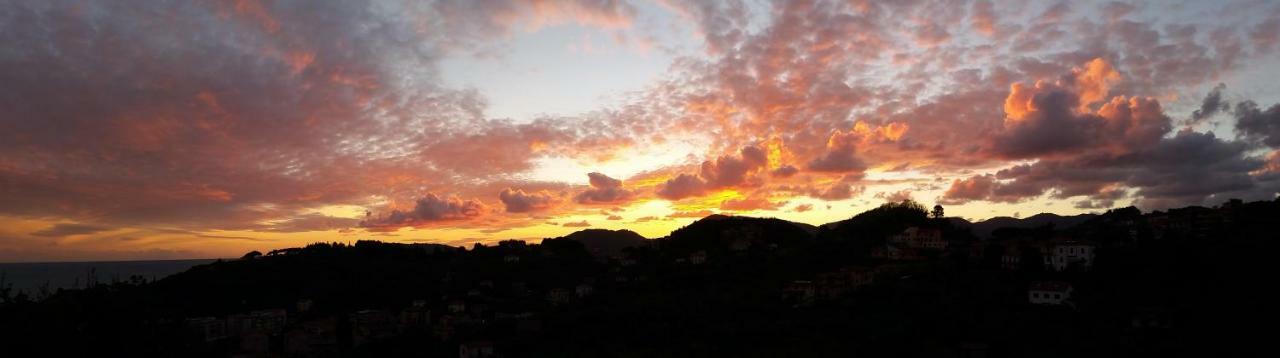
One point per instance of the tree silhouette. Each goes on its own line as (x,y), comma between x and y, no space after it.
(937,212)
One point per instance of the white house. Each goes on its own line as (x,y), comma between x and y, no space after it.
(1049,292)
(916,237)
(1067,253)
(476,349)
(583,290)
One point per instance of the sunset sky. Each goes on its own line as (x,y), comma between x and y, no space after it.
(194,129)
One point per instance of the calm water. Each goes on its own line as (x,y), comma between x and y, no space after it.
(31,277)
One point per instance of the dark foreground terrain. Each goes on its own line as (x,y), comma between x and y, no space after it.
(894,281)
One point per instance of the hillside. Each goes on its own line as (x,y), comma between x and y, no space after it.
(606,243)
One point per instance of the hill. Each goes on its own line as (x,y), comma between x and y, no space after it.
(605,243)
(741,232)
(983,229)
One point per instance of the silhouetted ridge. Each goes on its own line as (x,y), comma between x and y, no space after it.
(877,224)
(605,243)
(717,232)
(986,228)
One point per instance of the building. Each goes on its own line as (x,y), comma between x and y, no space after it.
(1068,254)
(831,285)
(371,325)
(318,337)
(799,291)
(304,305)
(416,316)
(477,349)
(895,252)
(559,296)
(1049,292)
(457,306)
(920,238)
(583,290)
(206,329)
(1011,259)
(698,258)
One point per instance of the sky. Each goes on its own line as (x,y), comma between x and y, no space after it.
(196,129)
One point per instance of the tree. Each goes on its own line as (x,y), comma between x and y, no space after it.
(937,212)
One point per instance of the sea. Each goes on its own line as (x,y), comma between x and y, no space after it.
(36,277)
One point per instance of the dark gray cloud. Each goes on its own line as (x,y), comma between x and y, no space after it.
(61,230)
(604,190)
(430,208)
(1211,105)
(517,201)
(1258,124)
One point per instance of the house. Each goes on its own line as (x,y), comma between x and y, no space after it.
(206,329)
(799,291)
(304,305)
(477,349)
(511,258)
(895,252)
(1068,254)
(271,321)
(371,325)
(698,258)
(583,290)
(1150,318)
(1049,292)
(860,276)
(457,306)
(977,251)
(559,296)
(1011,259)
(920,238)
(417,315)
(312,338)
(830,285)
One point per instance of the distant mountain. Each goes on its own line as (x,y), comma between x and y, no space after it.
(877,224)
(720,231)
(983,229)
(605,243)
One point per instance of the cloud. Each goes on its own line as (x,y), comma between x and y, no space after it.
(582,223)
(895,196)
(802,208)
(1211,105)
(310,222)
(750,204)
(1051,119)
(723,172)
(983,17)
(682,186)
(785,171)
(836,191)
(429,208)
(63,230)
(1258,124)
(604,190)
(978,187)
(517,201)
(691,214)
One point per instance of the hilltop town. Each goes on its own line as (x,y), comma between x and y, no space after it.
(897,280)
